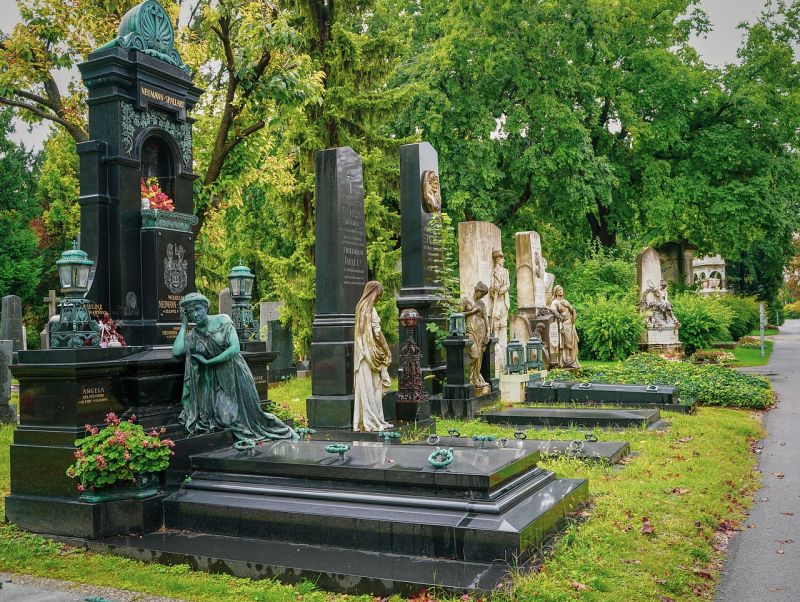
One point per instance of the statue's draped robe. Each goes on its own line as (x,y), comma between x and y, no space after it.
(568,335)
(478,331)
(224,396)
(371,360)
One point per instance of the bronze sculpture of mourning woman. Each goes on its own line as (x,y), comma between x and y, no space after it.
(218,388)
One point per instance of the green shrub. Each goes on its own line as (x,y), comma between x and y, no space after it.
(749,342)
(744,316)
(712,356)
(608,329)
(602,274)
(707,384)
(791,311)
(703,320)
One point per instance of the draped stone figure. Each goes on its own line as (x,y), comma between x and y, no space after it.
(218,388)
(500,302)
(371,359)
(474,311)
(568,336)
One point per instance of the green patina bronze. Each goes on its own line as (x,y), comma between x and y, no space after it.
(147,28)
(167,220)
(441,457)
(338,448)
(218,388)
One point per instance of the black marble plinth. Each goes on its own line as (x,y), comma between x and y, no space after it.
(489,506)
(602,451)
(74,518)
(330,568)
(578,417)
(549,391)
(615,394)
(459,402)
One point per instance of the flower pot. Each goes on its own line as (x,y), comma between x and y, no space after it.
(142,486)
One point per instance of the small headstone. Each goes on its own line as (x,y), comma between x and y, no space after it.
(7,413)
(11,327)
(226,301)
(278,337)
(44,340)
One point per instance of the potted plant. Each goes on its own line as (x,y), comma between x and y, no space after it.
(119,461)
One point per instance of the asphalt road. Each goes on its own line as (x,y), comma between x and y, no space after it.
(764,560)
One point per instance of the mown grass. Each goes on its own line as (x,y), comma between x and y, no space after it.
(747,356)
(687,480)
(768,332)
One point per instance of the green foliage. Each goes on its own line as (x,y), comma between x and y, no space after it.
(118,452)
(791,311)
(609,329)
(712,356)
(602,273)
(19,266)
(744,314)
(706,384)
(704,320)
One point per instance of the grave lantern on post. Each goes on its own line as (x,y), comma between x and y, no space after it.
(240,281)
(534,354)
(515,358)
(75,326)
(457,325)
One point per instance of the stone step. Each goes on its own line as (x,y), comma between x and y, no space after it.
(603,451)
(330,568)
(575,417)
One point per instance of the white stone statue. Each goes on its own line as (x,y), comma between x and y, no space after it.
(499,303)
(655,303)
(371,359)
(568,336)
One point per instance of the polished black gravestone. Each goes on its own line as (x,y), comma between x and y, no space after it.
(460,526)
(138,128)
(576,417)
(458,398)
(422,254)
(643,396)
(341,258)
(600,451)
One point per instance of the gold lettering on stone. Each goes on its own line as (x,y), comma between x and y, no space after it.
(163,98)
(91,395)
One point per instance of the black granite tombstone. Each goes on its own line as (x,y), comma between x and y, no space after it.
(341,256)
(422,253)
(138,129)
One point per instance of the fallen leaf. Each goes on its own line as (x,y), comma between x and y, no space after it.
(774,589)
(578,586)
(788,513)
(703,574)
(750,526)
(779,552)
(685,439)
(665,598)
(784,541)
(778,474)
(680,491)
(647,528)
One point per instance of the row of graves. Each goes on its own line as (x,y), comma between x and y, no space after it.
(341,502)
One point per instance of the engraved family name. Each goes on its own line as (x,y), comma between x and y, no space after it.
(178,103)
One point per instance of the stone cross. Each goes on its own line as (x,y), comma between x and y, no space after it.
(52,303)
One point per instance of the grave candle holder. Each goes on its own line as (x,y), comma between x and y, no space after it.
(240,281)
(75,326)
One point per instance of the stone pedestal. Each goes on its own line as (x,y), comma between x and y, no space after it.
(7,413)
(279,340)
(512,387)
(460,399)
(662,340)
(341,275)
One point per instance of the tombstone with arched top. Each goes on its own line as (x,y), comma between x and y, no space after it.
(138,156)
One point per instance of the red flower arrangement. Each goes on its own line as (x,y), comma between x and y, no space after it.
(153,197)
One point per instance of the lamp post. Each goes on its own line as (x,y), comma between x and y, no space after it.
(515,358)
(240,281)
(75,326)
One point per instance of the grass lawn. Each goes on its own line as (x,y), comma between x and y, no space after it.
(596,364)
(746,356)
(768,332)
(692,482)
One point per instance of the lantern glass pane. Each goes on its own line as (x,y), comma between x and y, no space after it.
(82,280)
(236,286)
(65,275)
(247,286)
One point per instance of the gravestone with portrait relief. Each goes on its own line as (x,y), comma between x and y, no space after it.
(422,255)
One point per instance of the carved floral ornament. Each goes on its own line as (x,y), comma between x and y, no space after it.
(134,121)
(431,191)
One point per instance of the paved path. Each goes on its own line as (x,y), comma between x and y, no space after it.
(764,561)
(26,588)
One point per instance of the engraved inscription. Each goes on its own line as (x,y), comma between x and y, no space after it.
(168,334)
(168,309)
(354,253)
(166,99)
(93,394)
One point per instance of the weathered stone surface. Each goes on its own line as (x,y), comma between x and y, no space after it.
(7,413)
(648,269)
(11,327)
(476,241)
(225,301)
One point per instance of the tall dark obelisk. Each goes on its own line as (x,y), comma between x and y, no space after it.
(422,253)
(341,258)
